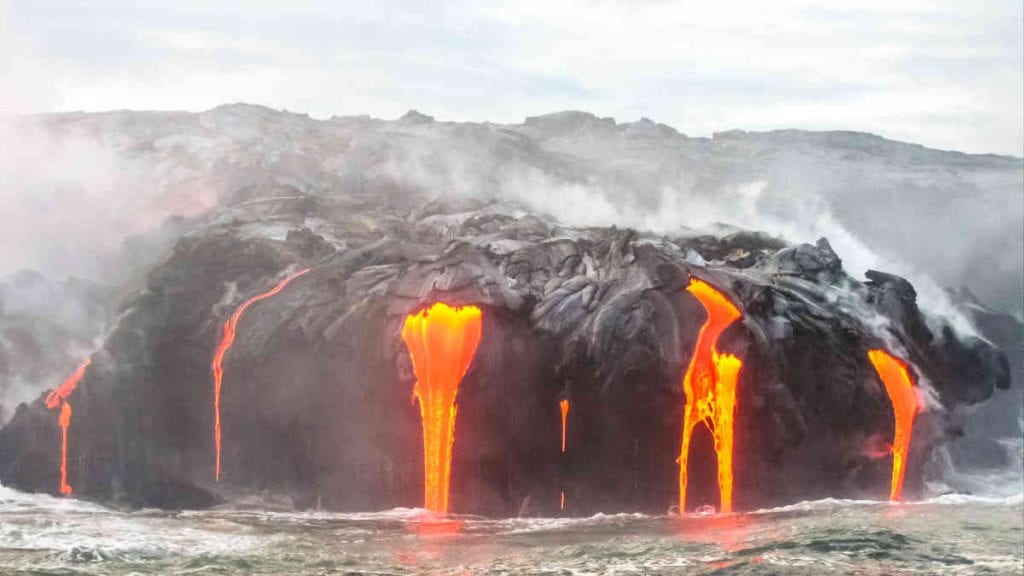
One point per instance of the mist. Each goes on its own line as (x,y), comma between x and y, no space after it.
(83,223)
(100,198)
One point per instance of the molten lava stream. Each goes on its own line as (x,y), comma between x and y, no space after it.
(898,384)
(217,366)
(65,422)
(54,398)
(442,341)
(563,405)
(710,388)
(58,398)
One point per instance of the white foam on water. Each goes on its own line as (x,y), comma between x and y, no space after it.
(945,499)
(83,532)
(547,524)
(962,499)
(12,500)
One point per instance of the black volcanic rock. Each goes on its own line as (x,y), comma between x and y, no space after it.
(986,450)
(317,387)
(44,325)
(899,200)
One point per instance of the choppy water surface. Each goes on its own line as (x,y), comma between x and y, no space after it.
(949,535)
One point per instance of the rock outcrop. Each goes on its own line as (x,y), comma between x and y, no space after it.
(317,387)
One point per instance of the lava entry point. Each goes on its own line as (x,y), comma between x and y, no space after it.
(898,384)
(442,341)
(59,399)
(710,388)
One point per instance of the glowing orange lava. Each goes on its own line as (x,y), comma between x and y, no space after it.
(65,422)
(54,398)
(563,405)
(217,366)
(441,341)
(59,398)
(710,388)
(894,374)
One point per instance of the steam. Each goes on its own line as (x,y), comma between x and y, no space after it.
(80,222)
(101,197)
(46,329)
(680,210)
(71,201)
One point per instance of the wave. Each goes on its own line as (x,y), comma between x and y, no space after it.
(15,501)
(12,500)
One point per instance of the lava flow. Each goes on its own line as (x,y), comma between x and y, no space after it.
(57,398)
(54,398)
(710,388)
(442,341)
(563,405)
(894,374)
(217,366)
(65,422)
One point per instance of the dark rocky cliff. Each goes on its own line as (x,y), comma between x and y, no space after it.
(317,387)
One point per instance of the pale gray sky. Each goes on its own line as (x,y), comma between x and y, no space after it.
(944,74)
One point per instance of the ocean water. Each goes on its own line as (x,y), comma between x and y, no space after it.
(946,535)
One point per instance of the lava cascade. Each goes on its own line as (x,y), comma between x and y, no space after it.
(54,398)
(217,366)
(65,422)
(898,384)
(442,341)
(563,406)
(710,388)
(58,398)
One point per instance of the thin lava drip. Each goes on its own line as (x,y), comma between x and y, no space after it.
(217,366)
(563,406)
(710,388)
(65,421)
(898,384)
(442,341)
(58,398)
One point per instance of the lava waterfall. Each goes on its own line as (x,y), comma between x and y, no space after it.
(896,378)
(477,359)
(710,389)
(442,341)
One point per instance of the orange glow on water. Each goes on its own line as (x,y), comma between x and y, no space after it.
(65,422)
(729,532)
(898,384)
(436,538)
(217,366)
(54,398)
(710,388)
(429,526)
(442,341)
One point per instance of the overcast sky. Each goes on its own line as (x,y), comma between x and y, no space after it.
(944,74)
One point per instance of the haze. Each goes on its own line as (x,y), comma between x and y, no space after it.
(943,74)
